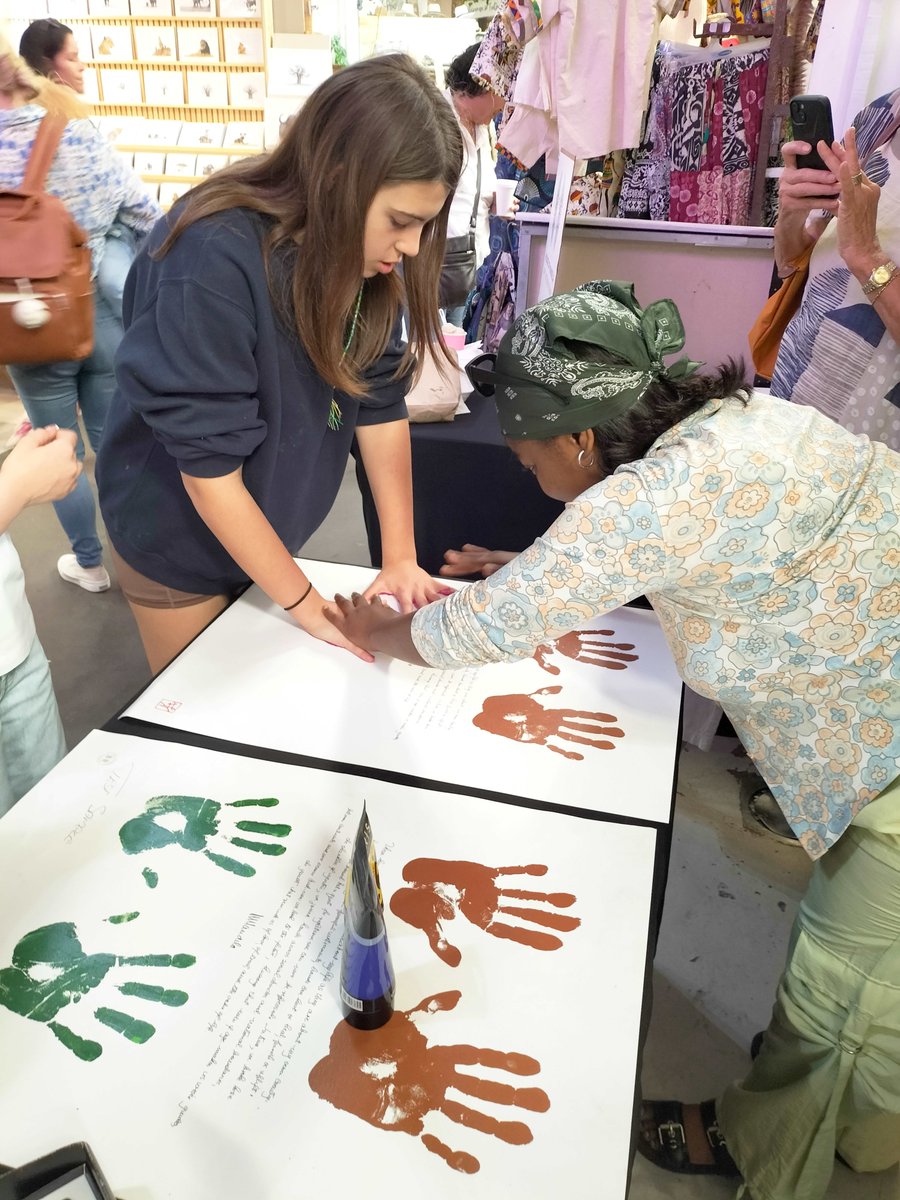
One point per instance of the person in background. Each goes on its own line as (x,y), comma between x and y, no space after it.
(41,466)
(91,179)
(766,538)
(475,107)
(840,352)
(262,334)
(50,49)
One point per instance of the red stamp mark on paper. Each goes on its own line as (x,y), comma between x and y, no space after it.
(168,706)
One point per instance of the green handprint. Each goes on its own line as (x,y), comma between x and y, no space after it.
(198,821)
(50,970)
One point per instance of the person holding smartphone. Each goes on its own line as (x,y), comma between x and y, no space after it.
(840,353)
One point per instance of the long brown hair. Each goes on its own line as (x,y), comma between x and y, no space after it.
(373,124)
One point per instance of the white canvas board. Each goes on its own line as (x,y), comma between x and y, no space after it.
(208,1095)
(243,44)
(207,89)
(63,9)
(36,9)
(108,8)
(196,8)
(244,133)
(200,42)
(164,87)
(208,164)
(247,678)
(238,8)
(111,42)
(152,8)
(155,43)
(246,89)
(121,86)
(150,162)
(154,133)
(197,134)
(91,84)
(295,72)
(181,164)
(277,114)
(170,192)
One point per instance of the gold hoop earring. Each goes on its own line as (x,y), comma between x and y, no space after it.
(585,466)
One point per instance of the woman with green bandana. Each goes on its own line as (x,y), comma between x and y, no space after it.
(767,539)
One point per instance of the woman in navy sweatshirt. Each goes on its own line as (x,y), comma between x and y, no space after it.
(262,334)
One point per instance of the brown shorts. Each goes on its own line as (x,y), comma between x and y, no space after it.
(147,593)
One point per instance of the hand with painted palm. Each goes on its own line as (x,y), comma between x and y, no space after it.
(393,1078)
(50,970)
(197,824)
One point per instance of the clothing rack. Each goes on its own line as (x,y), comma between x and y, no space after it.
(781,49)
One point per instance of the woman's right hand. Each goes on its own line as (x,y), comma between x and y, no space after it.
(802,190)
(42,466)
(475,560)
(312,619)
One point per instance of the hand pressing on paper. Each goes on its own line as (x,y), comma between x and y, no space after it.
(193,823)
(475,560)
(524,719)
(586,647)
(410,586)
(50,971)
(440,889)
(392,1078)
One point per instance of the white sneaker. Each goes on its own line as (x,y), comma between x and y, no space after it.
(92,579)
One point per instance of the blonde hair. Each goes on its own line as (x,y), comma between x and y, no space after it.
(20,83)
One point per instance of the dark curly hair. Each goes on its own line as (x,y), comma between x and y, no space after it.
(664,404)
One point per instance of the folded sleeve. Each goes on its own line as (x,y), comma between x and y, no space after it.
(606,548)
(186,365)
(385,398)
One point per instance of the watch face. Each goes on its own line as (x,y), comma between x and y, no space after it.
(882,274)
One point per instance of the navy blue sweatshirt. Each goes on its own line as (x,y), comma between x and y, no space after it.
(209,379)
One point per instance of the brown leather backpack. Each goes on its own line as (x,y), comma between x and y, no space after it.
(46,296)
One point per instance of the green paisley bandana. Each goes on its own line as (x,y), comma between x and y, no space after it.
(543,384)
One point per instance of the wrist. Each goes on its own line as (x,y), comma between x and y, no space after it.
(862,262)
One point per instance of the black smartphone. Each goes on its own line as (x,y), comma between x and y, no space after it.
(811,122)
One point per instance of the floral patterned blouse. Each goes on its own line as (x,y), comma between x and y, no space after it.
(767,539)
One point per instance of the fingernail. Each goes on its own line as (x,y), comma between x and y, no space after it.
(446,591)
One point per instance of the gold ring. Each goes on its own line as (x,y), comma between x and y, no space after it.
(858,178)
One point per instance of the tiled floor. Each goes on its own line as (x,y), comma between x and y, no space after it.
(732,891)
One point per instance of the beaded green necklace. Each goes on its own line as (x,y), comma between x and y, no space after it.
(335,416)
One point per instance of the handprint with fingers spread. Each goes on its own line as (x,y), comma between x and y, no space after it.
(192,822)
(586,646)
(524,719)
(50,971)
(392,1078)
(441,888)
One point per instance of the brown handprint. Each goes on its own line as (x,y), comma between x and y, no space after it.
(440,888)
(392,1078)
(586,646)
(523,719)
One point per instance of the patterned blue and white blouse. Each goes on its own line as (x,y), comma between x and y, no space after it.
(87,174)
(767,539)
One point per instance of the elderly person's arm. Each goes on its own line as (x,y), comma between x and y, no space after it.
(857,216)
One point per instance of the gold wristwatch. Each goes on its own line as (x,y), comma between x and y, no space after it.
(879,279)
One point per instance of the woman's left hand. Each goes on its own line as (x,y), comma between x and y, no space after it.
(410,586)
(857,208)
(360,619)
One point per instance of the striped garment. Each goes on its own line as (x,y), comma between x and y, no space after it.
(836,354)
(87,174)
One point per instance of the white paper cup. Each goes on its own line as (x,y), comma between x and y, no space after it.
(505,190)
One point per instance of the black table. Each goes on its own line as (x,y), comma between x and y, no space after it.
(467,487)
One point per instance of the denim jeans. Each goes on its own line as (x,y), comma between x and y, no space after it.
(118,255)
(31,735)
(52,394)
